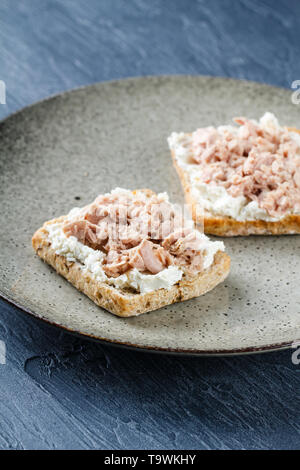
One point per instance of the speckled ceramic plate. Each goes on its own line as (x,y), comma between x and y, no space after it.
(65,150)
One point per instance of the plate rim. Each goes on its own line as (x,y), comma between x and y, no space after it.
(130,78)
(154,349)
(123,344)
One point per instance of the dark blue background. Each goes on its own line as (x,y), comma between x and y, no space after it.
(57,391)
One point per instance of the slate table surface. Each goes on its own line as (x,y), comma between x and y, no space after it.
(61,392)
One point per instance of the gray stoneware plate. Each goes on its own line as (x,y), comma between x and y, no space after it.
(64,151)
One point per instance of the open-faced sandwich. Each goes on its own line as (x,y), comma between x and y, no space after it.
(132,252)
(242,180)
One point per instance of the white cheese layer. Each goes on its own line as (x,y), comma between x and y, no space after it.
(215,199)
(91,261)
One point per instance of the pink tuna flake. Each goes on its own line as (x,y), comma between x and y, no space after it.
(139,230)
(262,165)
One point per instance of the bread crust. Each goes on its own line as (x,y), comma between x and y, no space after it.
(229,227)
(121,302)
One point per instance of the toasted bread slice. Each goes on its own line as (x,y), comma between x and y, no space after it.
(227,226)
(126,302)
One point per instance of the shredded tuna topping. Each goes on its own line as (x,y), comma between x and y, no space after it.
(259,162)
(138,230)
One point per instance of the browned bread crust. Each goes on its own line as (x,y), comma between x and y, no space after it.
(227,226)
(122,302)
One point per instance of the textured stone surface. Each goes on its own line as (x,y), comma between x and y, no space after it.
(60,392)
